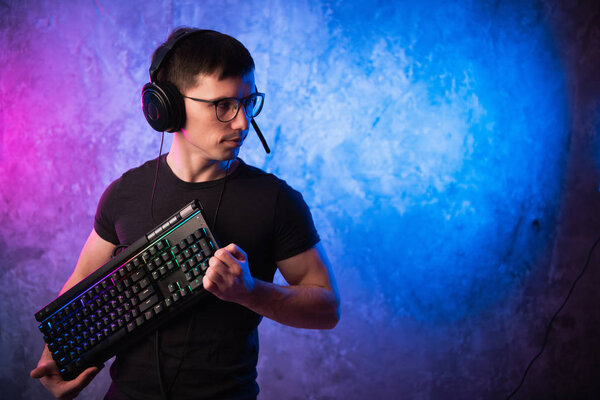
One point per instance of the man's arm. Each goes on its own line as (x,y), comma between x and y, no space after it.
(95,253)
(310,301)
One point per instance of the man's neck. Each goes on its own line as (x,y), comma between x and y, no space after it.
(193,167)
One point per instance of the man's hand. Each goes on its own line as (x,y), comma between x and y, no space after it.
(310,300)
(228,276)
(47,372)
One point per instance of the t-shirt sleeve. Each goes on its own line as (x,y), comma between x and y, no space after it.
(295,230)
(104,224)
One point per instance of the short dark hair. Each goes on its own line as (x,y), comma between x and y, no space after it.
(205,52)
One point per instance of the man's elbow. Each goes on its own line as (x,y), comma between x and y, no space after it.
(335,313)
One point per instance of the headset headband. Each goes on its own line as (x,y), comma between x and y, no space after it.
(164,50)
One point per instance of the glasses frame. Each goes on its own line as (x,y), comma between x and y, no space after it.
(241,102)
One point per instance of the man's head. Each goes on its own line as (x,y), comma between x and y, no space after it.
(179,64)
(200,53)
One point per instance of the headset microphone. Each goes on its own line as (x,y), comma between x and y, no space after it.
(260,136)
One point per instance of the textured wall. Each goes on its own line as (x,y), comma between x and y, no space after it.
(448,151)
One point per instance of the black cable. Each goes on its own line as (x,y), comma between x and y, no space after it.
(587,262)
(165,394)
(158,371)
(185,344)
(162,138)
(221,195)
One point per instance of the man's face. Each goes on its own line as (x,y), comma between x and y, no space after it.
(204,134)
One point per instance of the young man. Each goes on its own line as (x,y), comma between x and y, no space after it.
(210,352)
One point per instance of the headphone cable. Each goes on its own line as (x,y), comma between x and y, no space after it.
(549,327)
(154,184)
(164,393)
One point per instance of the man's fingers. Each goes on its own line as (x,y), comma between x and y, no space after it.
(37,373)
(42,370)
(236,251)
(231,255)
(226,257)
(86,376)
(217,268)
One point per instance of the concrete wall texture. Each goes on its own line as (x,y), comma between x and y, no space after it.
(448,149)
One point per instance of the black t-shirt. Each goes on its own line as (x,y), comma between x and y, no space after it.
(262,215)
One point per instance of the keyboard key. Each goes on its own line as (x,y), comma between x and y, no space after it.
(205,248)
(136,276)
(145,293)
(140,320)
(195,284)
(148,303)
(151,266)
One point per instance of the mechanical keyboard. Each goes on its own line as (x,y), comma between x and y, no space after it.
(141,288)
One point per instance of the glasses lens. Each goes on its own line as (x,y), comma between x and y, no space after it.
(253,105)
(227,109)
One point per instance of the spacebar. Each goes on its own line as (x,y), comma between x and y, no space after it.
(93,354)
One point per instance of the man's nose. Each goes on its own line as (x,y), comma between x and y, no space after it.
(241,120)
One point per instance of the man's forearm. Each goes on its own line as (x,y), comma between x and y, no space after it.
(310,307)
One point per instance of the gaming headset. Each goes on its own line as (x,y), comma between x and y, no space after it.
(162,104)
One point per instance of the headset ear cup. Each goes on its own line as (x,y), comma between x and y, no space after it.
(163,106)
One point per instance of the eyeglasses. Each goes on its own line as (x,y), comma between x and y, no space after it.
(227,109)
